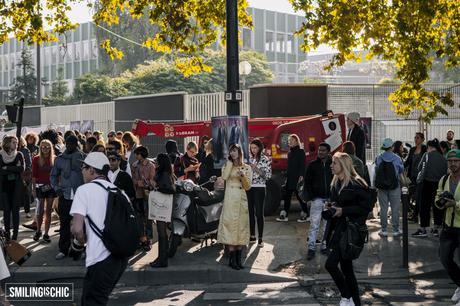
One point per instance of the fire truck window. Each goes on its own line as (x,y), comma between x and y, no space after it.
(284,145)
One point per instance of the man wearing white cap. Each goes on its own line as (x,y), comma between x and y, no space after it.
(356,135)
(388,168)
(103,269)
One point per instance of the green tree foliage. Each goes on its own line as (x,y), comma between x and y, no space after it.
(124,36)
(59,90)
(185,27)
(25,84)
(162,75)
(412,34)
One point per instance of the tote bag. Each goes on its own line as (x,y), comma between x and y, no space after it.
(160,206)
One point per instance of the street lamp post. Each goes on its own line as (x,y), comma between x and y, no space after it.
(232,96)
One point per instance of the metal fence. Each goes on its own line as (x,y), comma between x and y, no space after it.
(372,101)
(369,100)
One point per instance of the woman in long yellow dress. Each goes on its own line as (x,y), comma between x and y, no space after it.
(234,221)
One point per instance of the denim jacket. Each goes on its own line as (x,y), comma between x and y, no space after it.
(66,175)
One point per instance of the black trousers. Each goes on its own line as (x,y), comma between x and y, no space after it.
(256,198)
(344,278)
(287,201)
(65,218)
(162,242)
(100,279)
(449,240)
(427,203)
(141,210)
(11,211)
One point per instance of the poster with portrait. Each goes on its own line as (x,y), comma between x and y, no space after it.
(228,130)
(366,125)
(87,125)
(75,125)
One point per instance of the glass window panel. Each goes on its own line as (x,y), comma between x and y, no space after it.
(85,67)
(68,71)
(86,50)
(85,31)
(94,48)
(46,74)
(93,65)
(1,63)
(269,41)
(280,44)
(77,34)
(247,38)
(5,79)
(270,20)
(290,44)
(77,51)
(53,73)
(76,69)
(11,46)
(281,22)
(54,52)
(69,52)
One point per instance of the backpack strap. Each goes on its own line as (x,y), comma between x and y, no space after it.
(444,180)
(93,225)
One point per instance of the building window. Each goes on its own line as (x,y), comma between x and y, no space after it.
(86,50)
(54,55)
(94,48)
(247,39)
(69,52)
(269,41)
(77,51)
(290,44)
(280,44)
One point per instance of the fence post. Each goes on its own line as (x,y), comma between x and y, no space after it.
(405,206)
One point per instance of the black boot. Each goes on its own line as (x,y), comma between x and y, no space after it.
(232,260)
(238,259)
(162,260)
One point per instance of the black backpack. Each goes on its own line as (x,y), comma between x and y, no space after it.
(120,235)
(385,176)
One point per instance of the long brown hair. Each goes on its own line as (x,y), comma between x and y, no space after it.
(240,153)
(41,157)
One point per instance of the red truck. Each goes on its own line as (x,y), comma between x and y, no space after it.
(274,133)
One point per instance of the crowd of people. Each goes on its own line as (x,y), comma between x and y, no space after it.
(338,194)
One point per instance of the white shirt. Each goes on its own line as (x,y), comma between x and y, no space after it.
(4,271)
(128,166)
(91,200)
(112,176)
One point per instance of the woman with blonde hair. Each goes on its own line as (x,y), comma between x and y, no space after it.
(349,202)
(42,190)
(234,221)
(11,186)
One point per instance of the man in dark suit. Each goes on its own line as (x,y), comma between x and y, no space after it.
(356,135)
(118,177)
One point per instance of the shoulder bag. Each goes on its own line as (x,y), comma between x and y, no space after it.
(352,240)
(421,174)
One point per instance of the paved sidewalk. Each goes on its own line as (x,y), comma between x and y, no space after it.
(283,257)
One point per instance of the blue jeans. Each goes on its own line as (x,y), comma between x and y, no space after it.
(317,206)
(393,198)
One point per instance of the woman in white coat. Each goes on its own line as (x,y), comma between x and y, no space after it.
(234,221)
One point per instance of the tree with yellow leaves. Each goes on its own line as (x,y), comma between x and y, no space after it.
(411,34)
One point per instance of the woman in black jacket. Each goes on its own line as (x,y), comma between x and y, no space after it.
(350,199)
(164,183)
(295,173)
(11,186)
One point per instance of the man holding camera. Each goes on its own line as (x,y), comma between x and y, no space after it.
(318,178)
(448,200)
(103,269)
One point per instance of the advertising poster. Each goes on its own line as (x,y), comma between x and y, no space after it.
(75,125)
(366,125)
(87,125)
(228,130)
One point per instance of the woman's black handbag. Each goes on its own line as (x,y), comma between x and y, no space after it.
(352,240)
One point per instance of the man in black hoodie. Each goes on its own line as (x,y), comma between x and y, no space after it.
(317,186)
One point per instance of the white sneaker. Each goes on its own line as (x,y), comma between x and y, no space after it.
(60,256)
(397,233)
(346,302)
(283,217)
(303,218)
(456,296)
(383,234)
